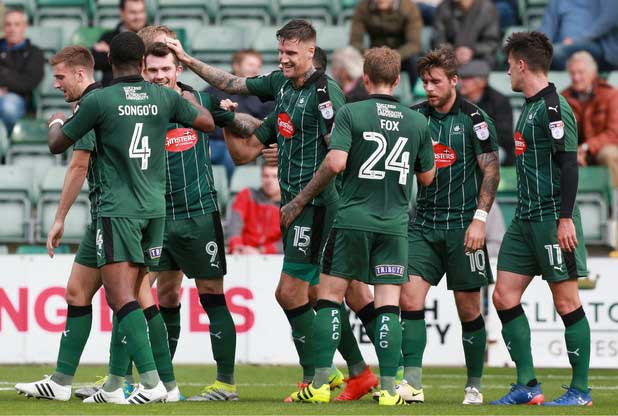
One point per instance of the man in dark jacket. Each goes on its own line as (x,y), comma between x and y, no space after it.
(132,18)
(471,27)
(21,68)
(475,88)
(393,23)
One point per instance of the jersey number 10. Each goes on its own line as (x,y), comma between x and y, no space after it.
(135,150)
(396,160)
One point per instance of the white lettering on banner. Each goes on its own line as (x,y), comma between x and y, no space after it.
(547,330)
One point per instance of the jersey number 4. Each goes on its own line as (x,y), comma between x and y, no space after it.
(396,160)
(139,146)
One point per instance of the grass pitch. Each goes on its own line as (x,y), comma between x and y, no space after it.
(262,388)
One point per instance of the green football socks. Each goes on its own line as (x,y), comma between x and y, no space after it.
(72,343)
(413,346)
(516,334)
(577,336)
(222,335)
(301,321)
(474,340)
(171,317)
(388,336)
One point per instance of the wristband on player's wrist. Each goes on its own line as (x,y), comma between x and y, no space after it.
(56,121)
(480,215)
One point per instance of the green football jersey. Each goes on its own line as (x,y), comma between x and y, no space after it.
(382,138)
(546,126)
(190,187)
(88,143)
(130,119)
(298,127)
(459,136)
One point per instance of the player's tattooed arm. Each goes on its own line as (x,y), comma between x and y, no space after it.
(490,166)
(334,163)
(242,150)
(244,125)
(216,77)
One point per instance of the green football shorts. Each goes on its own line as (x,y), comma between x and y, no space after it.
(368,257)
(432,253)
(133,240)
(531,249)
(195,246)
(87,251)
(304,240)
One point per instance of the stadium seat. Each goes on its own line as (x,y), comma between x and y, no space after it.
(501,81)
(87,36)
(49,98)
(403,91)
(4,141)
(189,78)
(312,10)
(561,79)
(221,185)
(507,193)
(265,42)
(29,131)
(594,197)
(106,12)
(203,11)
(332,37)
(531,12)
(41,249)
(346,10)
(16,191)
(426,37)
(260,10)
(71,9)
(27,5)
(218,43)
(78,217)
(247,176)
(48,39)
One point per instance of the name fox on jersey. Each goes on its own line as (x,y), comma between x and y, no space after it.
(138,110)
(387,110)
(389,270)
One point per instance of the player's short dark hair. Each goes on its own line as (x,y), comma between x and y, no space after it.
(297,29)
(320,60)
(534,48)
(73,56)
(442,57)
(382,65)
(123,3)
(160,50)
(126,49)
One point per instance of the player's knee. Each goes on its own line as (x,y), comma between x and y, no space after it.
(169,298)
(409,301)
(501,300)
(566,305)
(75,296)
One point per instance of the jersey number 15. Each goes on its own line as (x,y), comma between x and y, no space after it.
(135,150)
(396,160)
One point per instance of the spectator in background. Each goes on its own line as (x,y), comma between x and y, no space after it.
(595,105)
(575,25)
(474,86)
(1,17)
(132,19)
(347,69)
(471,27)
(245,63)
(428,10)
(253,226)
(21,68)
(393,23)
(507,12)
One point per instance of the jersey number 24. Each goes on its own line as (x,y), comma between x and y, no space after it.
(397,160)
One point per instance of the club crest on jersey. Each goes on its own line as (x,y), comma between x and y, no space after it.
(155,252)
(181,139)
(457,129)
(389,270)
(520,144)
(482,131)
(327,110)
(557,129)
(134,93)
(444,156)
(285,125)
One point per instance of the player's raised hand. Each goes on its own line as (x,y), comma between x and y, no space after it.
(53,236)
(475,236)
(270,155)
(176,47)
(567,239)
(289,212)
(228,105)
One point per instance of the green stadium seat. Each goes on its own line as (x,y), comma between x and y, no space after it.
(4,141)
(247,176)
(501,81)
(218,43)
(265,42)
(202,11)
(594,198)
(332,37)
(87,36)
(48,39)
(221,185)
(30,131)
(41,249)
(426,37)
(403,91)
(74,9)
(561,79)
(16,191)
(506,196)
(106,12)
(78,217)
(27,5)
(418,91)
(346,10)
(531,12)
(260,10)
(49,98)
(188,77)
(312,10)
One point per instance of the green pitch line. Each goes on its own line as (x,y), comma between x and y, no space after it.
(262,389)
